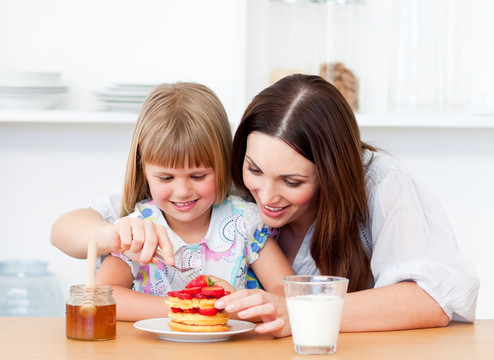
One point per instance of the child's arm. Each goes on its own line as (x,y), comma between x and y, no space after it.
(271,267)
(131,305)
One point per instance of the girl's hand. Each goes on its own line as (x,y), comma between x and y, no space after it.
(139,239)
(270,308)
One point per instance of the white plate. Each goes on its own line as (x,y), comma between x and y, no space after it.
(160,327)
(122,106)
(33,89)
(29,78)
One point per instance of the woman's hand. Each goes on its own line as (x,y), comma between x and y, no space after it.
(138,239)
(270,308)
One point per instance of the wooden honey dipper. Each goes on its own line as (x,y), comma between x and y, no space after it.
(88,306)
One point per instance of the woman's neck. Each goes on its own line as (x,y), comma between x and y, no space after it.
(292,236)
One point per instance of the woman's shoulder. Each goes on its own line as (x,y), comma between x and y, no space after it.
(379,165)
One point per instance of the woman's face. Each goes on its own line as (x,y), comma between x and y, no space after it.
(283,182)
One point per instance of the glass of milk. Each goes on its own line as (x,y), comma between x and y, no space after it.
(315,304)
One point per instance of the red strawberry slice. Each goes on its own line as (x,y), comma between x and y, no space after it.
(208,312)
(200,295)
(191,290)
(191,311)
(200,281)
(184,296)
(176,310)
(213,291)
(173,293)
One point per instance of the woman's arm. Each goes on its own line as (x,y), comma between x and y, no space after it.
(72,231)
(394,307)
(271,267)
(131,305)
(138,238)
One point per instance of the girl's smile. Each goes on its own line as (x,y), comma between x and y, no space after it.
(185,195)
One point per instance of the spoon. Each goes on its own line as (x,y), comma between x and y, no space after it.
(88,307)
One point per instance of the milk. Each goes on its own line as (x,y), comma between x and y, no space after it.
(315,319)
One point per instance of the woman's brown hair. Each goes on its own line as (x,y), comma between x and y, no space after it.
(311,116)
(178,123)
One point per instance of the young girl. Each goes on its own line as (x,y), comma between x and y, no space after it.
(178,176)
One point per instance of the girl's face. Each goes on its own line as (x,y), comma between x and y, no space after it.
(283,182)
(184,195)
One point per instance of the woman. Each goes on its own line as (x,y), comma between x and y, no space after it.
(342,208)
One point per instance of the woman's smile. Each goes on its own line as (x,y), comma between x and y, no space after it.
(283,182)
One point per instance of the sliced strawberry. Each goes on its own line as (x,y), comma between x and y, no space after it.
(173,293)
(191,290)
(185,296)
(208,312)
(191,311)
(200,281)
(213,291)
(200,295)
(176,310)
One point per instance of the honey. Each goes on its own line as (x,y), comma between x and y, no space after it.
(98,324)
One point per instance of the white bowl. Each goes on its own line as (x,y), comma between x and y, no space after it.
(29,78)
(29,101)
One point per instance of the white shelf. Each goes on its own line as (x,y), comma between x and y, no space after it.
(67,117)
(365,120)
(466,121)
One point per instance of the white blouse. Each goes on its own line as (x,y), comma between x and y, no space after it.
(408,238)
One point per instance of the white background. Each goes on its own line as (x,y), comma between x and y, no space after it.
(50,168)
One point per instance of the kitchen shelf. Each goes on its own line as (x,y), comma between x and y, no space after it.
(451,121)
(68,117)
(462,121)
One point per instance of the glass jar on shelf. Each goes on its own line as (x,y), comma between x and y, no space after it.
(415,79)
(318,37)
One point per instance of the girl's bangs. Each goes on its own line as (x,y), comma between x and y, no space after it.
(177,153)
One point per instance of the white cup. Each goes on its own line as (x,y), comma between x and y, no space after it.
(315,304)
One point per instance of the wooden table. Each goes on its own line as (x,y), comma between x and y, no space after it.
(44,338)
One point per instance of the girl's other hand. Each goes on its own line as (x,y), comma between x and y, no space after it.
(139,239)
(270,308)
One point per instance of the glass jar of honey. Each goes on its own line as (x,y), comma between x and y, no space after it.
(91,313)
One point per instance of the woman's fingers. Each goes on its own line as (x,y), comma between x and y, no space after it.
(270,308)
(138,234)
(124,230)
(271,327)
(165,245)
(239,300)
(139,239)
(149,242)
(266,311)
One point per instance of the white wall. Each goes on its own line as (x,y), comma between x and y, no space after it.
(47,169)
(95,42)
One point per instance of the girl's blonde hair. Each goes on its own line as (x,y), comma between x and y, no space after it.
(178,123)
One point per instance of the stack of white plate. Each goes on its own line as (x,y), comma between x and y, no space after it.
(123,97)
(26,90)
